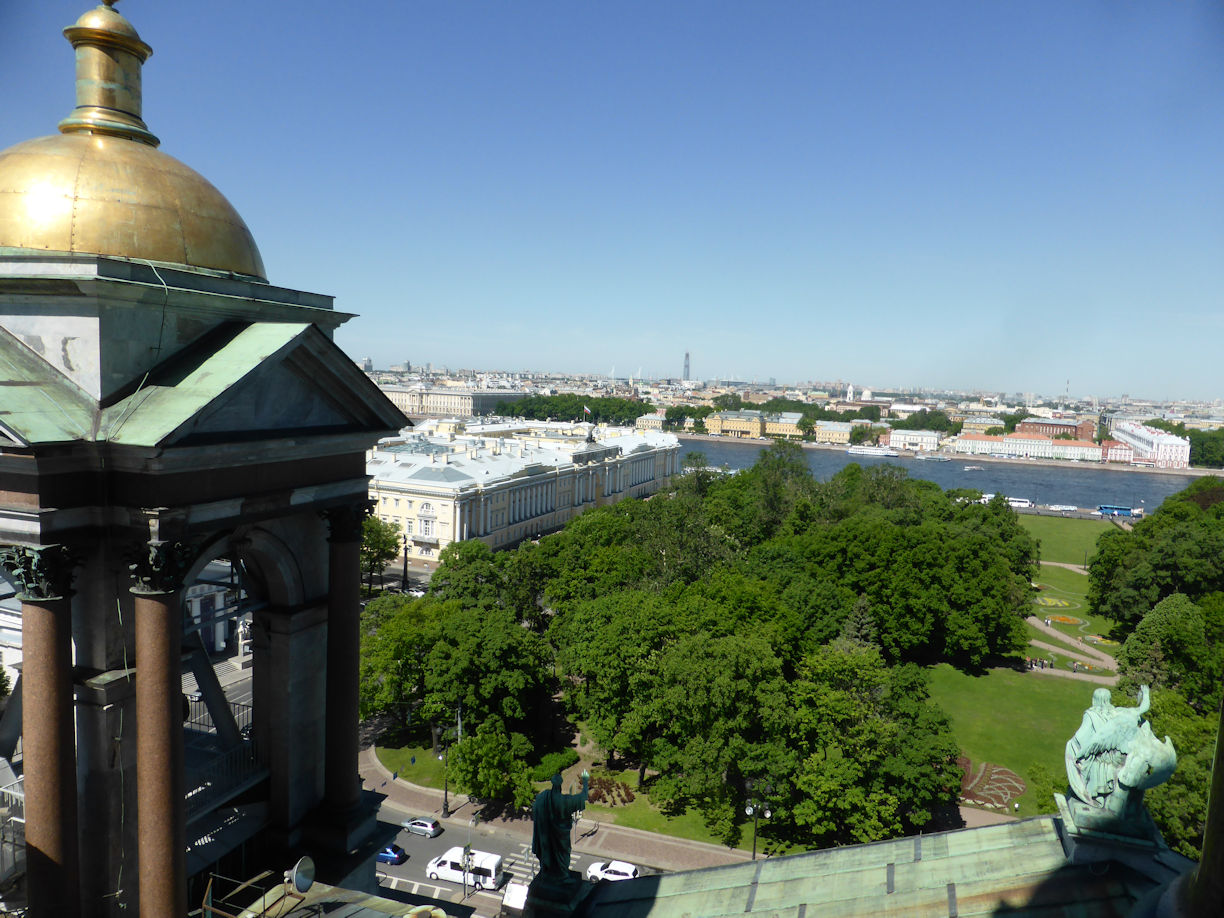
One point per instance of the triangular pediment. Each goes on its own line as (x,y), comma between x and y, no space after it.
(257,381)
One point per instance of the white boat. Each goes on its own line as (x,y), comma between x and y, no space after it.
(975,468)
(932,457)
(873,451)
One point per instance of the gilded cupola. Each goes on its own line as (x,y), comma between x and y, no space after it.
(102,187)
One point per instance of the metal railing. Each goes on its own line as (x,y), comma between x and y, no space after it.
(12,830)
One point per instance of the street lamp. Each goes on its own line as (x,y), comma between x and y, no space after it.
(757,808)
(445,784)
(404,579)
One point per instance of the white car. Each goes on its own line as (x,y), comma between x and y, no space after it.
(611,870)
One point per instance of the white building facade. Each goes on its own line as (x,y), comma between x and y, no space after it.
(919,441)
(1153,447)
(506,482)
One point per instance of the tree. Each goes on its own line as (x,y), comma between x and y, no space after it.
(380,543)
(1169,649)
(486,662)
(467,572)
(397,631)
(877,757)
(490,764)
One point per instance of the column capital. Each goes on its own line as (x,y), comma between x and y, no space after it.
(159,566)
(344,522)
(42,572)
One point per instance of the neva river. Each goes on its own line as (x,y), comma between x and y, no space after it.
(1081,485)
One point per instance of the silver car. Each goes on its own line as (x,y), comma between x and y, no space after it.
(430,828)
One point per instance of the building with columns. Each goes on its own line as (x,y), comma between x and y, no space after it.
(165,407)
(508,481)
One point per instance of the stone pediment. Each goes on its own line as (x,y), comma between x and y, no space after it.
(240,381)
(246,382)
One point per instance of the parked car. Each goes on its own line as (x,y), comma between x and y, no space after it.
(430,828)
(611,870)
(392,854)
(484,869)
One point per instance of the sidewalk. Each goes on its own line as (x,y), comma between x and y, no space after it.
(604,840)
(647,849)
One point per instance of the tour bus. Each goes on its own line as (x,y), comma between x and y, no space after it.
(1019,502)
(1119,510)
(484,869)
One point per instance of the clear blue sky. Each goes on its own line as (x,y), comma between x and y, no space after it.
(969,194)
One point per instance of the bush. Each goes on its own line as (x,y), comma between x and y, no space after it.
(553,764)
(610,792)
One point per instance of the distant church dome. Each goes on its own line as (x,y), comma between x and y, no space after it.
(101,187)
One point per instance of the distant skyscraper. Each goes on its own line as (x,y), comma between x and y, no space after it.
(686,365)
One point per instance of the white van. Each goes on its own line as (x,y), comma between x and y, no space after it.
(484,869)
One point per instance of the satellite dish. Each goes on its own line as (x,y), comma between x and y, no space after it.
(302,876)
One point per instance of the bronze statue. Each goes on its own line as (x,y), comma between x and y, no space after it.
(552,814)
(1111,760)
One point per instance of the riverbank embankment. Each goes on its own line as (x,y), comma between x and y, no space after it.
(764,443)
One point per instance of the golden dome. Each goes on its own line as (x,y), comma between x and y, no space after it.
(101,187)
(102,195)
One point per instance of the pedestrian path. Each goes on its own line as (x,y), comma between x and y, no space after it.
(1071,646)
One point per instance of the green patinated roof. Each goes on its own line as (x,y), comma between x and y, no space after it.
(38,404)
(168,401)
(225,381)
(1018,868)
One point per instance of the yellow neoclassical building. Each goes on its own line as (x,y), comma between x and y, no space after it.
(509,481)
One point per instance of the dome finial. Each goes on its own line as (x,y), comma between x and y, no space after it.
(109,55)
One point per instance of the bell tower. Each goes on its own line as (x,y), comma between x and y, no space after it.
(164,408)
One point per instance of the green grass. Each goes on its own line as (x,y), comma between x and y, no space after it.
(1060,660)
(1065,539)
(1061,585)
(427,771)
(1012,719)
(643,814)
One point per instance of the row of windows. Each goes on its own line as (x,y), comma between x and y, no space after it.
(426,507)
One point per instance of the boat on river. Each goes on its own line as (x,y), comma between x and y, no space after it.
(975,468)
(933,457)
(873,451)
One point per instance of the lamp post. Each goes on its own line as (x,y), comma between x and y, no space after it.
(757,808)
(404,579)
(445,782)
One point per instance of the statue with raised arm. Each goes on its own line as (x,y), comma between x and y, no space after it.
(552,816)
(1111,760)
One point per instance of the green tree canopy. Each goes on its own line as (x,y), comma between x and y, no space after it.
(380,543)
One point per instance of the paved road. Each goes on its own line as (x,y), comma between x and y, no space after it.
(512,839)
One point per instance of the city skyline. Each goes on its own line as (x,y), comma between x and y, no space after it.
(959,196)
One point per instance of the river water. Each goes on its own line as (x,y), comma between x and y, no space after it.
(1081,485)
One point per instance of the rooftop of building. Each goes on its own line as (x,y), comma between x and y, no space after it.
(482,454)
(1017,869)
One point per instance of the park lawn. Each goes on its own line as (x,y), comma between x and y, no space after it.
(427,770)
(1060,660)
(1067,539)
(1012,719)
(643,814)
(1059,585)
